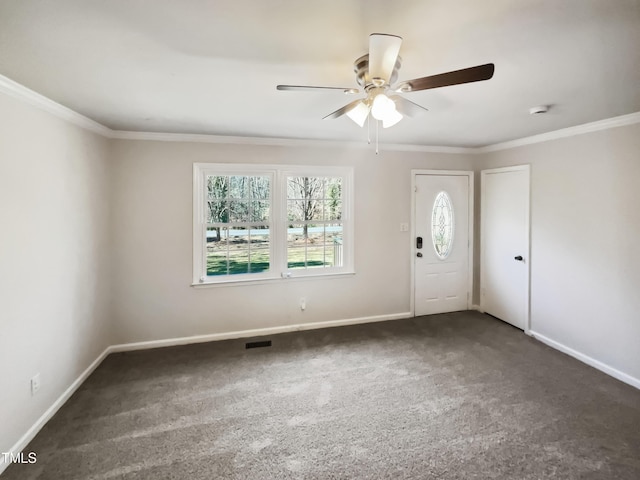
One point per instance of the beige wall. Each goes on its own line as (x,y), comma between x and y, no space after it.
(54,259)
(585,260)
(153,242)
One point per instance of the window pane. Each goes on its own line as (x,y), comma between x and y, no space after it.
(238,261)
(301,210)
(334,255)
(238,250)
(312,210)
(217,251)
(294,212)
(297,246)
(315,253)
(333,199)
(218,211)
(316,246)
(259,188)
(334,188)
(238,211)
(238,187)
(217,186)
(313,246)
(315,187)
(305,197)
(332,210)
(259,211)
(259,249)
(305,188)
(232,251)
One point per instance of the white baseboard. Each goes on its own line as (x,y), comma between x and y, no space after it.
(257,332)
(477,308)
(51,411)
(603,367)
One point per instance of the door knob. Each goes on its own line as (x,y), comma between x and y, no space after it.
(419,254)
(519,258)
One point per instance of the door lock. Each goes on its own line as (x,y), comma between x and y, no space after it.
(518,258)
(419,242)
(419,254)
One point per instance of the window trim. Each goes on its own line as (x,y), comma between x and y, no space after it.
(278,220)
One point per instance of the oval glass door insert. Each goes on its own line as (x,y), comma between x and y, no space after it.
(442,225)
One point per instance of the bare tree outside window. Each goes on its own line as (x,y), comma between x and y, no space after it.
(271,221)
(238,233)
(314,213)
(306,195)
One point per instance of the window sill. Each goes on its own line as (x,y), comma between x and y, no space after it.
(263,281)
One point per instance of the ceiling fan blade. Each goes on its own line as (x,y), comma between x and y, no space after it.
(306,88)
(341,111)
(383,54)
(457,77)
(407,107)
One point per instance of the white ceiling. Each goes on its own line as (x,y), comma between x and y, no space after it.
(212,66)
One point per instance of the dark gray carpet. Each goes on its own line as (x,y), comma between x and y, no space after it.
(448,396)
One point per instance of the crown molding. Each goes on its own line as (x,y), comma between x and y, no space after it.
(16,90)
(606,124)
(279,142)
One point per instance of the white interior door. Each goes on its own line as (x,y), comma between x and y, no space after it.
(504,279)
(441,244)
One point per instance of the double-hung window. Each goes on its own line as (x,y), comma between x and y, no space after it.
(254,222)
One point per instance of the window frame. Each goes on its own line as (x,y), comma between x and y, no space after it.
(278,174)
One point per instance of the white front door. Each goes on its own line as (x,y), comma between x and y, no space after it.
(504,278)
(441,244)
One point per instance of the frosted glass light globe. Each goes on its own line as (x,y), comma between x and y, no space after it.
(382,107)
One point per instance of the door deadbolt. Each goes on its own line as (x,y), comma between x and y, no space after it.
(518,258)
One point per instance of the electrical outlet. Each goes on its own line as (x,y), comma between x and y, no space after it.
(35,384)
(303,304)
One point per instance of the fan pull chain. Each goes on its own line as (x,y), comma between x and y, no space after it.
(377,122)
(368,130)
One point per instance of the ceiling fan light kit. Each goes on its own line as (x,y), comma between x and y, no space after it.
(377,71)
(384,109)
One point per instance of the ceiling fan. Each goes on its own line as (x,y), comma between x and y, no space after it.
(378,70)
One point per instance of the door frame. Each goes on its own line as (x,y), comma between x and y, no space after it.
(483,174)
(462,173)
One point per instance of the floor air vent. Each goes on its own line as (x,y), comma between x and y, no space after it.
(265,343)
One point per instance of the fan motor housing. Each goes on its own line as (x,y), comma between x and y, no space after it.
(361,69)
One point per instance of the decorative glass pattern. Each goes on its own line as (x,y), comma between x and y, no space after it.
(442,225)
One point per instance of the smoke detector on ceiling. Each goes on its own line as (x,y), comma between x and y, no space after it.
(539,109)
